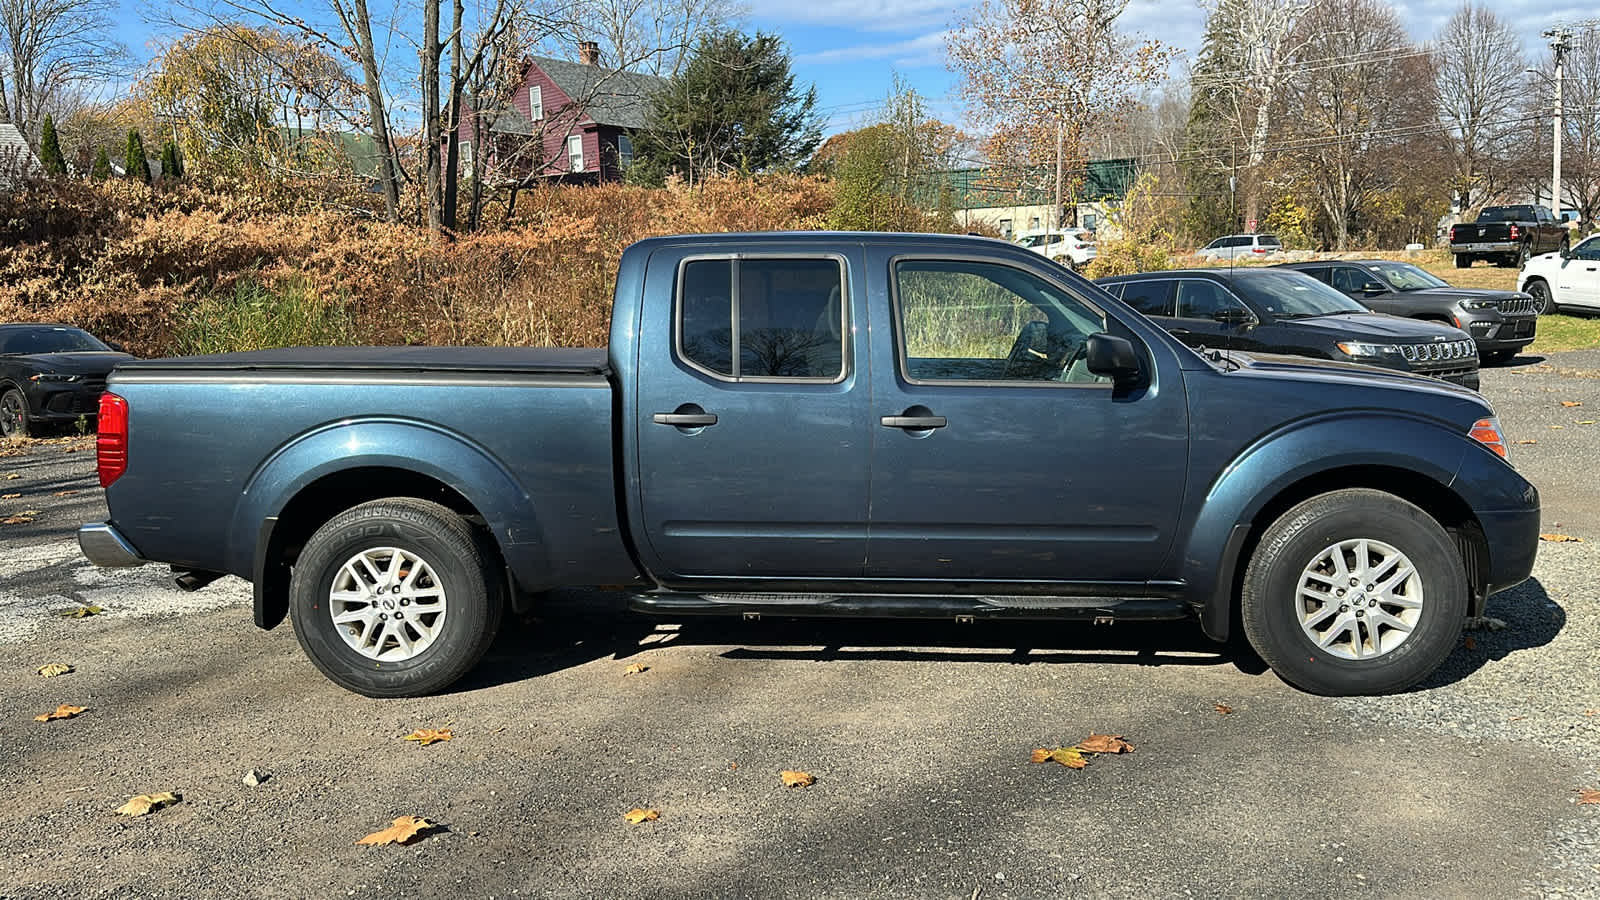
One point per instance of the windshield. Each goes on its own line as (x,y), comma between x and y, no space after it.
(1406,277)
(48,340)
(1292,295)
(1507,214)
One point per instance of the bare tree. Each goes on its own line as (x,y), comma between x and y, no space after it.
(1479,85)
(49,49)
(650,36)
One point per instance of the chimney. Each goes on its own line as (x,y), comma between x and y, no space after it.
(588,53)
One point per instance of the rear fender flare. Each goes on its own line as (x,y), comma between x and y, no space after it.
(1276,462)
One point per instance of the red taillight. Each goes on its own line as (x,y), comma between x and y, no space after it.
(111,443)
(1258,249)
(1515,232)
(1453,230)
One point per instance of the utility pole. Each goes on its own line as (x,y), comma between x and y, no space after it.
(1559,38)
(1055,211)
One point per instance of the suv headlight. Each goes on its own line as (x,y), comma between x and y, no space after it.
(1362,350)
(1479,304)
(53,378)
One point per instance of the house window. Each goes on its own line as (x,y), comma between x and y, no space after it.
(575,153)
(1005,228)
(624,151)
(466,158)
(535,102)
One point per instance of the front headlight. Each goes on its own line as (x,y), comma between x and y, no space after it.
(1478,304)
(1361,350)
(53,378)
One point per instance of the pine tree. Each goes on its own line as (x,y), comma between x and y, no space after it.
(135,165)
(171,163)
(102,166)
(50,149)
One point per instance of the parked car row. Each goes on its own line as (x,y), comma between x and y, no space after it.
(51,374)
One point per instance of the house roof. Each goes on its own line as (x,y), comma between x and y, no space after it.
(14,146)
(608,96)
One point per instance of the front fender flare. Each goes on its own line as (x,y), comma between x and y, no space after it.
(1282,458)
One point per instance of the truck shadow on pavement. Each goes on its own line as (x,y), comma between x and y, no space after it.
(572,628)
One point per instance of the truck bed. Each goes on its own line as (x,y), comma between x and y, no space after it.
(518,360)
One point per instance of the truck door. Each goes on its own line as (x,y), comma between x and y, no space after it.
(753,436)
(997,456)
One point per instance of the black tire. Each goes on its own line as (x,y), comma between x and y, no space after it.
(1499,357)
(1292,543)
(462,565)
(14,415)
(1544,301)
(1463,261)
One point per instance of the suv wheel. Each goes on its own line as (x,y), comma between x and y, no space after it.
(394,598)
(1354,592)
(13,414)
(1543,300)
(1463,261)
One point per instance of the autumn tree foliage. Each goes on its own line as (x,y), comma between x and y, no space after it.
(1040,76)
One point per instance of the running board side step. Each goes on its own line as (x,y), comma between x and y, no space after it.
(1101,610)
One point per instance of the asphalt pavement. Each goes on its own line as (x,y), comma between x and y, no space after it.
(919,736)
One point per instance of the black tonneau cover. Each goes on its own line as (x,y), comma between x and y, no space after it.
(518,360)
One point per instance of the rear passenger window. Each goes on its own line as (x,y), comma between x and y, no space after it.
(763,318)
(1203,299)
(1153,298)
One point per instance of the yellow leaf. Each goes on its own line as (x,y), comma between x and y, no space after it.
(13,477)
(51,670)
(1105,743)
(9,496)
(1225,709)
(426,736)
(405,830)
(1557,427)
(62,712)
(80,612)
(1588,795)
(1583,422)
(64,493)
(1071,757)
(1529,441)
(637,815)
(1571,403)
(635,669)
(791,778)
(16,520)
(1041,755)
(145,804)
(1560,538)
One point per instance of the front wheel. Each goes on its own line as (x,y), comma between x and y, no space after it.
(13,414)
(394,598)
(1543,300)
(1354,592)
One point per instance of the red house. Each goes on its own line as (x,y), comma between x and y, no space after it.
(565,120)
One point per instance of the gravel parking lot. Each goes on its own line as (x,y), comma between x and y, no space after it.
(918,734)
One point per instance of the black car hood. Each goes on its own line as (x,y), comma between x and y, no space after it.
(1378,327)
(86,362)
(1329,369)
(1455,293)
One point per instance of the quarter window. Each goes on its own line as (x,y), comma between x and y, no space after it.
(763,318)
(974,321)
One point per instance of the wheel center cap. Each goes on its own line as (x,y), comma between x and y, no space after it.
(388,604)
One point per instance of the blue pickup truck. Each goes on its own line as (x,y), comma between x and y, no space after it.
(824,424)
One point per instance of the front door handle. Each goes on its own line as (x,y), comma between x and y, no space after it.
(1179,331)
(685,420)
(913,423)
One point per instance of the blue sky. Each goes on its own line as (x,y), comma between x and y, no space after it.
(850,48)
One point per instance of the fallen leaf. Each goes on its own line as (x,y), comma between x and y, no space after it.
(13,476)
(1583,422)
(1592,712)
(405,830)
(426,736)
(1516,718)
(1225,709)
(1469,643)
(1529,441)
(1588,795)
(635,669)
(16,520)
(80,612)
(1105,743)
(637,815)
(9,496)
(1571,403)
(145,804)
(1560,538)
(1071,757)
(63,493)
(1557,427)
(51,670)
(62,712)
(792,778)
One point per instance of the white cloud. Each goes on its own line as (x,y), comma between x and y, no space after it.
(866,15)
(918,52)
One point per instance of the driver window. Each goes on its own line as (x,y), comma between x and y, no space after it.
(1589,249)
(1203,299)
(974,321)
(1350,280)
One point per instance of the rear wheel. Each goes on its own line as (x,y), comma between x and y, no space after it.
(13,414)
(1354,592)
(1543,300)
(1498,357)
(1463,261)
(394,598)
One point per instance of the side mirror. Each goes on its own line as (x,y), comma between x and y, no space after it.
(1112,357)
(1566,252)
(115,346)
(1373,287)
(1232,315)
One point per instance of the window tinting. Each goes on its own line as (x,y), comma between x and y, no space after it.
(790,317)
(1153,298)
(973,321)
(1202,299)
(47,339)
(1268,240)
(1350,279)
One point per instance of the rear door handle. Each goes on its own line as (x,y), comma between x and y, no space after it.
(913,423)
(685,420)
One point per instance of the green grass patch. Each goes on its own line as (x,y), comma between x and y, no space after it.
(255,316)
(1559,332)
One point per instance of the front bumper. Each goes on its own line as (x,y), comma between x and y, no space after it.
(65,402)
(1498,332)
(104,546)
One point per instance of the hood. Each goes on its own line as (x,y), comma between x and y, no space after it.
(1377,327)
(1455,293)
(86,362)
(1273,364)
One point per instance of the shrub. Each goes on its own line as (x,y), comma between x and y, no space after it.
(50,156)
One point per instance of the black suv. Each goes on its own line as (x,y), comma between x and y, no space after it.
(1278,311)
(1501,322)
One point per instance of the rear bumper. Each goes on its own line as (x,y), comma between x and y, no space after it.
(104,546)
(1475,248)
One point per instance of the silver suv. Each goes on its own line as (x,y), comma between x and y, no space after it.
(1241,246)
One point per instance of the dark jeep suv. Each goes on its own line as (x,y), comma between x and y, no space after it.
(1501,322)
(1280,311)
